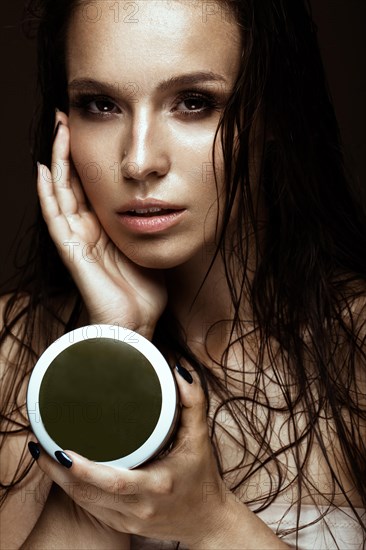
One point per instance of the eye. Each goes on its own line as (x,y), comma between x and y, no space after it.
(102,105)
(95,105)
(195,104)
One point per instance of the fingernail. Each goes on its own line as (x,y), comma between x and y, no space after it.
(57,110)
(184,373)
(56,130)
(63,459)
(34,450)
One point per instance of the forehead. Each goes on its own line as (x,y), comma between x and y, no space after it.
(144,40)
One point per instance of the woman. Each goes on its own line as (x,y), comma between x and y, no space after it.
(177,173)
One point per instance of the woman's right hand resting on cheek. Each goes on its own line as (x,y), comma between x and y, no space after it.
(114,289)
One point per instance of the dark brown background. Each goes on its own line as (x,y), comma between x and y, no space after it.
(342,38)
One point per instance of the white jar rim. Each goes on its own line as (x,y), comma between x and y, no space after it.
(166,422)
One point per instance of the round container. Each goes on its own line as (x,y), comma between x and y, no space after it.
(105,392)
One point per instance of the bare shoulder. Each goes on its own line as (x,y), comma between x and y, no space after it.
(15,360)
(24,487)
(353,354)
(26,329)
(32,506)
(353,318)
(27,486)
(22,340)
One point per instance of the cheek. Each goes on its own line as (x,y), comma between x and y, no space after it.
(93,159)
(214,180)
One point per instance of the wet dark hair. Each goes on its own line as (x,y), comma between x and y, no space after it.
(306,283)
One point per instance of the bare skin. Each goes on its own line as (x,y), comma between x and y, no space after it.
(160,138)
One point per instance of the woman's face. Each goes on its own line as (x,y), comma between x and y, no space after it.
(148,81)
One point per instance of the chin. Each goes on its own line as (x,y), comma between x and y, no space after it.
(157,257)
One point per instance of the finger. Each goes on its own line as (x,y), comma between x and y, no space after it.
(87,481)
(78,190)
(57,223)
(194,415)
(49,203)
(85,494)
(57,473)
(112,482)
(67,187)
(117,484)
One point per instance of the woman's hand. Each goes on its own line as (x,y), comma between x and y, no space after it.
(114,289)
(174,498)
(178,497)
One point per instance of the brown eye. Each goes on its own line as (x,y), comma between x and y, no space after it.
(102,106)
(194,104)
(95,105)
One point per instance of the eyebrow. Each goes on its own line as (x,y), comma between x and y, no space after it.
(172,82)
(190,78)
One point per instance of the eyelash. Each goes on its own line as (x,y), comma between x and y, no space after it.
(211,103)
(83,101)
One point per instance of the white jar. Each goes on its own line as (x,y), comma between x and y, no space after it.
(105,392)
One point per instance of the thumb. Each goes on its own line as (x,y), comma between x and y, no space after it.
(193,414)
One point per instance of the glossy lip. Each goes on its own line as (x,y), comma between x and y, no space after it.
(150,224)
(139,204)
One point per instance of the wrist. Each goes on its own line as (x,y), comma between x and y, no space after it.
(236,527)
(147,331)
(217,524)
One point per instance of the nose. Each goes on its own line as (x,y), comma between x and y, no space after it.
(146,155)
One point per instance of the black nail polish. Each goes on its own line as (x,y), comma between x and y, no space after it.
(56,130)
(63,459)
(34,450)
(184,373)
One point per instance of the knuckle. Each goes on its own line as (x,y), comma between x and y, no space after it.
(147,513)
(162,481)
(165,486)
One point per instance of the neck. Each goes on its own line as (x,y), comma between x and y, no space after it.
(198,299)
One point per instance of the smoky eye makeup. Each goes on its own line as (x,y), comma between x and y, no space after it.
(94,105)
(193,103)
(188,103)
(112,400)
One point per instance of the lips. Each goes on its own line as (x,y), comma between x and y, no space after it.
(150,216)
(149,212)
(148,208)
